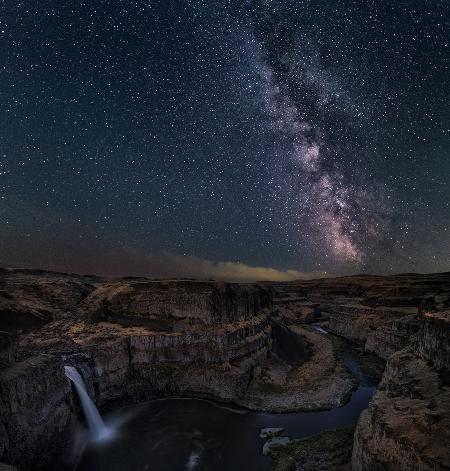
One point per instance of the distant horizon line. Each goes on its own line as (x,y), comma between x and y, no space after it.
(34,270)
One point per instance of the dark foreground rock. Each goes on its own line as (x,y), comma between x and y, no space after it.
(7,467)
(407,424)
(34,410)
(327,451)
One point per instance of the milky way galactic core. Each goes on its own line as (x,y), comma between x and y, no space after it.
(272,139)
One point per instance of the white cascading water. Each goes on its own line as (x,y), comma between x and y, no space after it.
(96,425)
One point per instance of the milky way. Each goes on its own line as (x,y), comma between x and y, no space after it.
(274,138)
(326,195)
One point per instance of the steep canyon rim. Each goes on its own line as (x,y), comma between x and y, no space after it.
(137,339)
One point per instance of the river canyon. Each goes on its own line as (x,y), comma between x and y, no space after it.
(336,373)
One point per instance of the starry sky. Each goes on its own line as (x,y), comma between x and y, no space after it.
(259,139)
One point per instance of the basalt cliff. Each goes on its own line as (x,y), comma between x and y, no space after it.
(405,320)
(135,339)
(132,339)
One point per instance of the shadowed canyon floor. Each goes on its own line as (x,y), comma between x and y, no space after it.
(261,346)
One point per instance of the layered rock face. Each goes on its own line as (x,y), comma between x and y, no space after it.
(34,410)
(393,335)
(135,339)
(378,311)
(407,425)
(177,300)
(433,342)
(132,339)
(404,319)
(173,337)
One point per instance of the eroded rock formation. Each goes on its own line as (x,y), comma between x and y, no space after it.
(136,338)
(407,425)
(132,339)
(404,319)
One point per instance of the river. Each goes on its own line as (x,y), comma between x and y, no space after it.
(193,434)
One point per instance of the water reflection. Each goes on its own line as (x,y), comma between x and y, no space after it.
(192,434)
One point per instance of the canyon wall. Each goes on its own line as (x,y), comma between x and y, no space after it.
(404,319)
(173,337)
(132,339)
(135,339)
(407,424)
(34,410)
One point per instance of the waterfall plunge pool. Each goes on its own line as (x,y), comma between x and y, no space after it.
(193,434)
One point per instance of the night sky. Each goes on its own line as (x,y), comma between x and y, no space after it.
(208,138)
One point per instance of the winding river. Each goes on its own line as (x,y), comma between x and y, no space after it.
(193,434)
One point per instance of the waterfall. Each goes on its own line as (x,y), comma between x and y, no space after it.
(96,425)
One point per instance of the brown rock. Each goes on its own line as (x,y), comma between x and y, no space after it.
(399,431)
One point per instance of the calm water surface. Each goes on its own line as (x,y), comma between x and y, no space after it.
(191,434)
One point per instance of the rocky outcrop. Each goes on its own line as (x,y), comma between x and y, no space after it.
(393,336)
(6,349)
(357,322)
(135,338)
(31,298)
(215,362)
(434,338)
(379,312)
(407,425)
(404,319)
(132,339)
(328,451)
(34,410)
(186,301)
(322,382)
